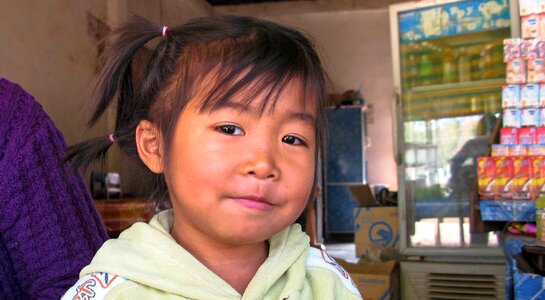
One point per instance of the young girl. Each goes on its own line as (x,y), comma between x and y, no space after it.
(229,113)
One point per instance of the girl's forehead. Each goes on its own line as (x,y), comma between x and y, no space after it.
(256,96)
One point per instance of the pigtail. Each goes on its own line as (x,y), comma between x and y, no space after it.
(116,84)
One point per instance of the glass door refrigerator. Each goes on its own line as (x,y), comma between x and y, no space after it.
(448,73)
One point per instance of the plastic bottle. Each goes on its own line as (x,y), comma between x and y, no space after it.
(413,75)
(426,68)
(449,66)
(464,66)
(540,217)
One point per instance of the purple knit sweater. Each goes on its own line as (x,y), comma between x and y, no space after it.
(49,226)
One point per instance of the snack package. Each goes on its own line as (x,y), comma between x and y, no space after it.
(540,6)
(527,136)
(509,136)
(536,70)
(512,49)
(511,117)
(542,95)
(541,117)
(530,26)
(500,150)
(503,185)
(486,174)
(540,47)
(518,150)
(537,186)
(541,20)
(529,117)
(540,135)
(536,149)
(529,95)
(527,7)
(516,71)
(510,96)
(522,178)
(529,49)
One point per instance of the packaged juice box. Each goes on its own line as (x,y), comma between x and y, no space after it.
(522,172)
(538,176)
(509,136)
(535,150)
(536,70)
(540,135)
(510,95)
(503,185)
(529,26)
(527,7)
(516,71)
(540,218)
(529,117)
(500,150)
(542,95)
(541,20)
(511,117)
(540,45)
(518,150)
(529,95)
(486,174)
(541,118)
(540,6)
(529,49)
(527,136)
(512,49)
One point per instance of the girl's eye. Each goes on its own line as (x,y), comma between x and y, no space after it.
(230,129)
(293,140)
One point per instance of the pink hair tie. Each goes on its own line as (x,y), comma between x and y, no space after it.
(165,30)
(111,138)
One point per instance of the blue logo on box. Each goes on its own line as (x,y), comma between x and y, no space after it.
(381,233)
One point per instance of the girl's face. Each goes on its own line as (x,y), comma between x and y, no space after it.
(238,177)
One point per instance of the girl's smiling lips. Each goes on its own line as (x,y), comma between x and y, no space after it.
(254,202)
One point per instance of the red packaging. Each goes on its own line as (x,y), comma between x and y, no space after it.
(486,174)
(503,185)
(537,186)
(500,150)
(518,150)
(540,135)
(509,136)
(522,171)
(527,136)
(535,150)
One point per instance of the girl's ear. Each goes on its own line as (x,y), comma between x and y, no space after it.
(148,143)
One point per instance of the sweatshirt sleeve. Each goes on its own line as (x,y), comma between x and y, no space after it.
(49,226)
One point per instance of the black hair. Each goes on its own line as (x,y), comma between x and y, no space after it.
(243,56)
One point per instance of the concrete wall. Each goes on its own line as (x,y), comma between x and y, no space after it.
(45,47)
(355,48)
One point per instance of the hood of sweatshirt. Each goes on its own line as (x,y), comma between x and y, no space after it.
(148,255)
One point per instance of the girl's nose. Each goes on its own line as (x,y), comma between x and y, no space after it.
(262,165)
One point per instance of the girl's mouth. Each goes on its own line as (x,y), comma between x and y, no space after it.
(254,202)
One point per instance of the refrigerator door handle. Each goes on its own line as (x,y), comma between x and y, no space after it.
(396,109)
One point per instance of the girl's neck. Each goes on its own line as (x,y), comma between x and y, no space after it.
(235,264)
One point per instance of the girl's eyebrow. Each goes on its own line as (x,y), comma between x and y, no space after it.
(301,116)
(290,114)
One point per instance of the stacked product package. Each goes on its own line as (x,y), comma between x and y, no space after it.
(516,168)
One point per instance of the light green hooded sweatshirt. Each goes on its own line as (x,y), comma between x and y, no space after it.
(145,262)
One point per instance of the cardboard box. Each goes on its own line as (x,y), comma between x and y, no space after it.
(374,281)
(376,231)
(363,195)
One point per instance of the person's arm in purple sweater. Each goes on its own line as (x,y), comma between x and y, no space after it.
(49,226)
